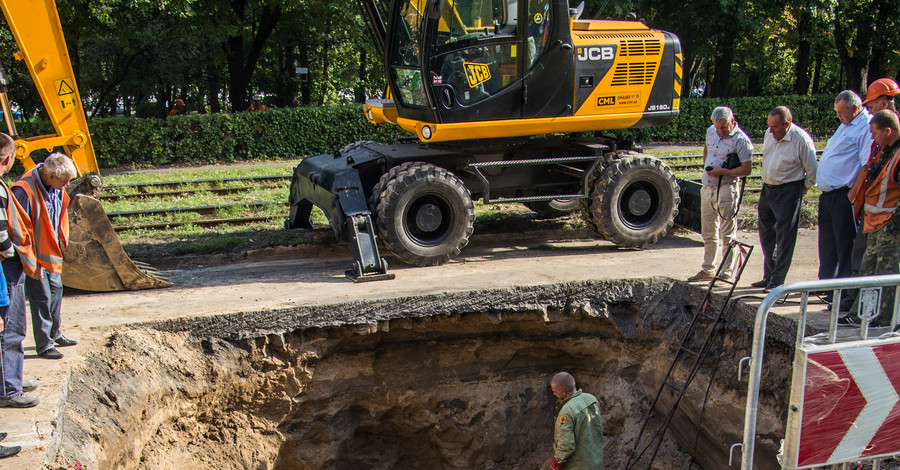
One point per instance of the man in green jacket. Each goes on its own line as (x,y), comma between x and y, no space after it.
(578,437)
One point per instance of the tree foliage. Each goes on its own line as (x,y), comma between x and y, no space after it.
(137,56)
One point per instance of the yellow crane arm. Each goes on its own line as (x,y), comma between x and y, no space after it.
(36,28)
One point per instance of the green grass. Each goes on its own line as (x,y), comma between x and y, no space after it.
(196,239)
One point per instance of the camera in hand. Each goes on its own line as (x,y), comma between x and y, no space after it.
(731,162)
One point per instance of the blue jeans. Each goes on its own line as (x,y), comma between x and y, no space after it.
(13,330)
(45,299)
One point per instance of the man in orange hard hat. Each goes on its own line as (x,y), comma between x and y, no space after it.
(178,110)
(879,96)
(257,104)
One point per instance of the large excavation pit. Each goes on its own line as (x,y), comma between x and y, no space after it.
(435,382)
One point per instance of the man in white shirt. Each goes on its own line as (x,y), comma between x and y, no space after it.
(719,194)
(842,160)
(788,171)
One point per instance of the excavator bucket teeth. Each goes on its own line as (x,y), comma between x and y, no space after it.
(94,259)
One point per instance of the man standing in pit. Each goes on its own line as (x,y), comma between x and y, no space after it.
(719,194)
(788,171)
(844,156)
(42,192)
(882,223)
(18,259)
(578,434)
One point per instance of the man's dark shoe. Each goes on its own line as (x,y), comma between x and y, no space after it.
(19,401)
(51,353)
(28,386)
(759,284)
(849,320)
(2,436)
(62,341)
(9,451)
(770,287)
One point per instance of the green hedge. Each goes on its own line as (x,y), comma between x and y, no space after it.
(813,113)
(296,132)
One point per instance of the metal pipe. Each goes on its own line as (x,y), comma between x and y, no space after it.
(759,341)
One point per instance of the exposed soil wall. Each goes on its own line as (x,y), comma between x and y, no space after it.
(437,382)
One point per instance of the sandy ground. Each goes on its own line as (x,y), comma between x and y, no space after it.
(488,262)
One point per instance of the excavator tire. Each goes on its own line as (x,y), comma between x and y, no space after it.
(424,213)
(633,201)
(554,208)
(94,259)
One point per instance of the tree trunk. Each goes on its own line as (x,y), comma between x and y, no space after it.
(817,74)
(213,87)
(306,85)
(360,90)
(240,65)
(801,81)
(720,86)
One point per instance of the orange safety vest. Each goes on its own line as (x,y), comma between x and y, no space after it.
(882,196)
(46,240)
(20,234)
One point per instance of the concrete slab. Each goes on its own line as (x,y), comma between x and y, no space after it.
(490,262)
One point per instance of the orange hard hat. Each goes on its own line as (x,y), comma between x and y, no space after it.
(181,103)
(881,87)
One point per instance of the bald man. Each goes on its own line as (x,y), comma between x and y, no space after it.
(578,435)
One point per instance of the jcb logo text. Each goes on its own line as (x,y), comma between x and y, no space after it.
(596,53)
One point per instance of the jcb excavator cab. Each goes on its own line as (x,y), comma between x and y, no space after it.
(476,69)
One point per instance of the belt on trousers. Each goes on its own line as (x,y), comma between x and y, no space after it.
(781,184)
(837,190)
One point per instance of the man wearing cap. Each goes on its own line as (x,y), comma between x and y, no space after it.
(882,223)
(257,104)
(879,96)
(179,108)
(719,195)
(844,156)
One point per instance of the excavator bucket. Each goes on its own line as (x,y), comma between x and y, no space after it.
(94,259)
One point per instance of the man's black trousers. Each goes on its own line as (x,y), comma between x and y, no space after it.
(837,231)
(779,220)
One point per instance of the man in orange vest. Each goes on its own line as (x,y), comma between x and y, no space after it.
(257,104)
(42,192)
(881,221)
(14,239)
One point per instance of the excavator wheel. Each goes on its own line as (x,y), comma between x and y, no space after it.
(94,259)
(633,201)
(554,208)
(424,213)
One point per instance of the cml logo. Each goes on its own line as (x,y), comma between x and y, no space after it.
(596,53)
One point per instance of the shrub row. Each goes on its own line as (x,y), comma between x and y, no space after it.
(296,132)
(813,113)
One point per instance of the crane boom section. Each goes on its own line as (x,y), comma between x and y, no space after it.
(35,26)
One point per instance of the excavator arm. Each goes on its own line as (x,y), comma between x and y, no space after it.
(94,257)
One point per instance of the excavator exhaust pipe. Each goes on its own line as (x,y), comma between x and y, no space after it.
(94,259)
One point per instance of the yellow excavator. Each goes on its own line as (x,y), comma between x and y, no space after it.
(94,258)
(494,92)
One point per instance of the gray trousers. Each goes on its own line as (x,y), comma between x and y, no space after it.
(45,299)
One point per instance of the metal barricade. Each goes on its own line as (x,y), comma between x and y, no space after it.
(869,300)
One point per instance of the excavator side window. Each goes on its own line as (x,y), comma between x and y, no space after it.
(538,33)
(475,52)
(405,57)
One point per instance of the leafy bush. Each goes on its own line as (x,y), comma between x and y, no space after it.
(292,133)
(813,113)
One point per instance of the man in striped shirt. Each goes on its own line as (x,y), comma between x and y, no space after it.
(12,315)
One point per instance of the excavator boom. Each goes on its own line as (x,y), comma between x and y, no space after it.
(94,258)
